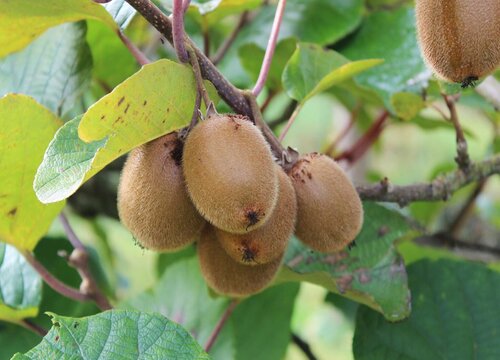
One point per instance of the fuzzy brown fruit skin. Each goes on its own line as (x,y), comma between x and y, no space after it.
(268,242)
(152,200)
(230,174)
(459,39)
(227,276)
(330,213)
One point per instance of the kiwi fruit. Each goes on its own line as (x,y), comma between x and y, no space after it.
(459,39)
(152,200)
(330,213)
(230,174)
(227,276)
(268,242)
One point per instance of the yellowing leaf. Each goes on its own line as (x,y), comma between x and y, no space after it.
(26,128)
(156,100)
(21,21)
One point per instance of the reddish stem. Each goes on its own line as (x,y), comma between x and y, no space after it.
(271,46)
(366,141)
(136,53)
(178,30)
(225,316)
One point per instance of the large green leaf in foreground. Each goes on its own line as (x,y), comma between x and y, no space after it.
(20,286)
(455,315)
(115,334)
(26,128)
(371,273)
(55,69)
(154,101)
(21,21)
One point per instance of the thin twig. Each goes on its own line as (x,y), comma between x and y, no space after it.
(222,321)
(304,346)
(289,109)
(178,31)
(37,329)
(197,75)
(439,189)
(352,119)
(53,282)
(73,239)
(268,100)
(136,53)
(462,158)
(206,38)
(290,122)
(80,261)
(463,214)
(230,40)
(361,146)
(271,46)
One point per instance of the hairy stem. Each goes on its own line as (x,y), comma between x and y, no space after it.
(290,122)
(218,328)
(271,46)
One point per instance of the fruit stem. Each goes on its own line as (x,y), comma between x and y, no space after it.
(218,328)
(271,46)
(178,31)
(462,159)
(197,75)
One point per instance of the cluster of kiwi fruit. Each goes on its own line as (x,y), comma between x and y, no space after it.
(459,39)
(221,186)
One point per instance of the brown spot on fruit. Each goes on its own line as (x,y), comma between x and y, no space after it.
(230,176)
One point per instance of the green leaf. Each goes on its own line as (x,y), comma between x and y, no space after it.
(214,11)
(105,45)
(251,57)
(192,306)
(121,11)
(455,315)
(407,105)
(371,273)
(312,69)
(317,21)
(262,320)
(54,69)
(26,129)
(156,100)
(22,21)
(124,334)
(20,286)
(389,35)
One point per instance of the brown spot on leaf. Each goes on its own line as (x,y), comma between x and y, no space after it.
(126,109)
(144,103)
(117,119)
(102,117)
(57,338)
(121,100)
(12,212)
